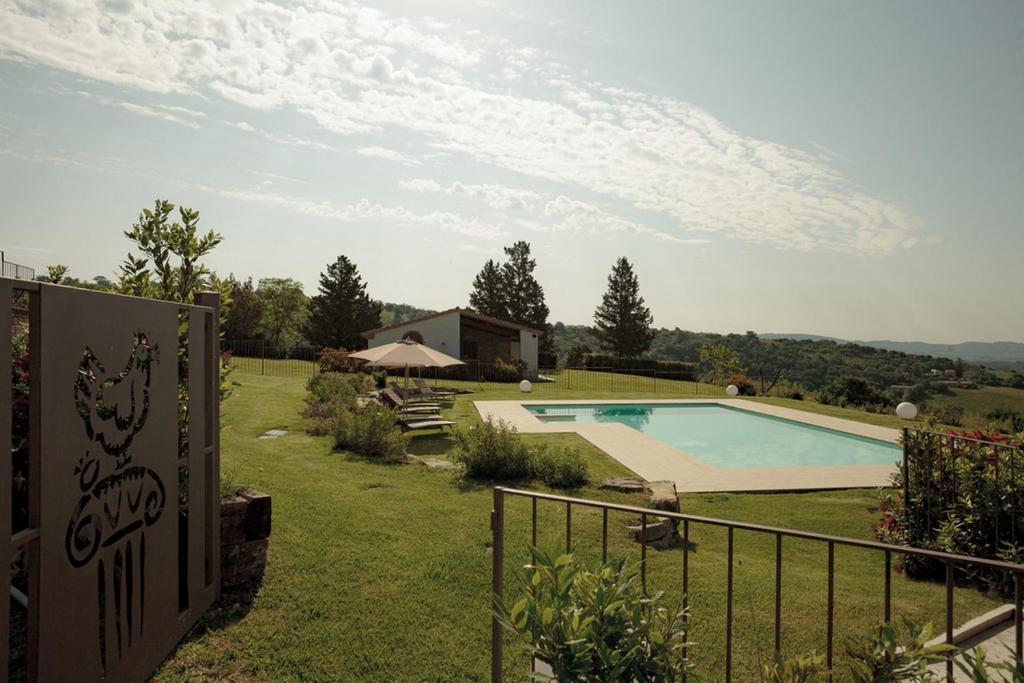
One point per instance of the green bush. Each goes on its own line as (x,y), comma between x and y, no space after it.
(962,495)
(493,451)
(562,468)
(851,391)
(596,626)
(331,395)
(372,432)
(946,414)
(743,383)
(334,360)
(886,654)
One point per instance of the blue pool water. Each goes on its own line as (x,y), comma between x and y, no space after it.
(730,437)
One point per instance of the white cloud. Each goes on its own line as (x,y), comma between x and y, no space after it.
(389,154)
(358,70)
(499,197)
(281,139)
(362,211)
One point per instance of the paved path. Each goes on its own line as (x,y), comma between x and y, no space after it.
(653,459)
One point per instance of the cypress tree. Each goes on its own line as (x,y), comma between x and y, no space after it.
(622,323)
(342,309)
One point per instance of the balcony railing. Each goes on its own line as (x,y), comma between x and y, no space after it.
(949,560)
(16,270)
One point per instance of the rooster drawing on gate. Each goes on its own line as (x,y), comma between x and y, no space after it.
(119,499)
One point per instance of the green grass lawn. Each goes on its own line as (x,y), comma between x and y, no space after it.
(979,402)
(383,572)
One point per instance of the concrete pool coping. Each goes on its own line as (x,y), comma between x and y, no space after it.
(655,460)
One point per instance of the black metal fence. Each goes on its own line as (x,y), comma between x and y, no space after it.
(264,358)
(259,357)
(951,562)
(15,270)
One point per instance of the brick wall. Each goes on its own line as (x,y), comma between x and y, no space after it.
(244,534)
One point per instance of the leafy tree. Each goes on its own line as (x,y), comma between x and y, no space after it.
(489,293)
(576,355)
(720,361)
(246,311)
(392,314)
(342,309)
(285,308)
(170,266)
(56,273)
(622,323)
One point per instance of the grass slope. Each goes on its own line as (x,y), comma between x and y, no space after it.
(977,403)
(382,573)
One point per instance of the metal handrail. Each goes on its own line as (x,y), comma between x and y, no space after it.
(950,560)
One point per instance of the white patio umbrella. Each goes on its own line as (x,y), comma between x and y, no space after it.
(405,354)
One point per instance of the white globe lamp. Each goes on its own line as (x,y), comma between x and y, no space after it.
(525,386)
(906,411)
(732,390)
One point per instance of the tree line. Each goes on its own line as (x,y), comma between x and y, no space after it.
(167,262)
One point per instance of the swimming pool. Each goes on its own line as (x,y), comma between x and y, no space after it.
(730,437)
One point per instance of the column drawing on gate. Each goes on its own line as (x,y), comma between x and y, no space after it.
(119,500)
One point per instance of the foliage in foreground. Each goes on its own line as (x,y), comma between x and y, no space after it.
(596,625)
(600,625)
(494,451)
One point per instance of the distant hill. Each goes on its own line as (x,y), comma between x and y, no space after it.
(811,360)
(397,313)
(996,354)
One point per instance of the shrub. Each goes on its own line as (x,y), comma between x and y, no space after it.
(596,626)
(330,396)
(963,495)
(562,468)
(494,451)
(851,391)
(886,653)
(946,414)
(371,432)
(795,394)
(743,383)
(1011,418)
(334,360)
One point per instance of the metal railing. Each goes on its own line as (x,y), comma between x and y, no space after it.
(15,270)
(949,560)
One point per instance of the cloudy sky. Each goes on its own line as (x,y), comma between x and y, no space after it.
(852,169)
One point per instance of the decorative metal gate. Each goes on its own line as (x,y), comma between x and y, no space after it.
(118,549)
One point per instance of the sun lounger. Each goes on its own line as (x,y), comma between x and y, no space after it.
(425,390)
(391,396)
(425,424)
(410,395)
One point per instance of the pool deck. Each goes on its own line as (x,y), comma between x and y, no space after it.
(655,460)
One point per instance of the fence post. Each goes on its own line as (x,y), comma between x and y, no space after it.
(263,356)
(906,471)
(497,576)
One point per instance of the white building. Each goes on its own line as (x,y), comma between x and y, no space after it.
(466,335)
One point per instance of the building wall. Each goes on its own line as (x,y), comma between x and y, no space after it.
(441,333)
(528,343)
